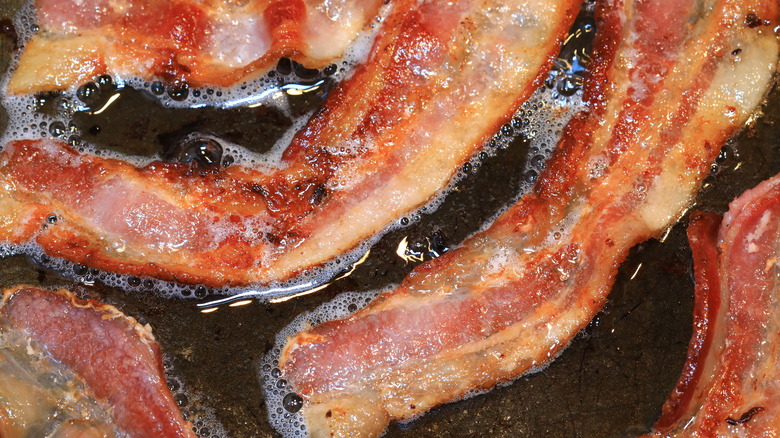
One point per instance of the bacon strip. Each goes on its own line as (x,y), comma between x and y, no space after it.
(664,92)
(202,42)
(442,78)
(31,400)
(117,358)
(731,380)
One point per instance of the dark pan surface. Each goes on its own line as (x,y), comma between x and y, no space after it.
(610,382)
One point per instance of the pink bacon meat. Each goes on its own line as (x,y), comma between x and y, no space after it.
(202,42)
(118,359)
(730,385)
(442,78)
(664,92)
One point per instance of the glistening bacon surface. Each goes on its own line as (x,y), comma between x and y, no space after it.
(666,89)
(442,77)
(730,384)
(202,42)
(117,358)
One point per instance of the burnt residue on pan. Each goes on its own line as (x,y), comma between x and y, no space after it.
(610,382)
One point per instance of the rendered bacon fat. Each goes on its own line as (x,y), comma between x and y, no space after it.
(665,92)
(202,42)
(117,358)
(442,77)
(730,385)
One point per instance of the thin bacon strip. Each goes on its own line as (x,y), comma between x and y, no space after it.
(117,358)
(731,380)
(443,76)
(202,42)
(665,91)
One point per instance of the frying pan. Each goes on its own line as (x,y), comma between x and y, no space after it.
(610,382)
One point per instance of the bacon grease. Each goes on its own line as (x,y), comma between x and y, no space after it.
(663,96)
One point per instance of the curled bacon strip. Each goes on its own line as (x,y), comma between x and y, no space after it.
(442,77)
(664,92)
(202,42)
(117,358)
(730,385)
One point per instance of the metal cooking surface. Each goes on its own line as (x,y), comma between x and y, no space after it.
(611,381)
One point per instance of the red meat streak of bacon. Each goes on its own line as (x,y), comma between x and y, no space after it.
(118,359)
(730,384)
(173,40)
(512,297)
(442,78)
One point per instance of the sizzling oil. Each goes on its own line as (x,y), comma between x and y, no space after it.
(632,344)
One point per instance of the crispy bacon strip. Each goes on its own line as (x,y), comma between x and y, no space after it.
(730,384)
(202,42)
(665,91)
(117,358)
(442,78)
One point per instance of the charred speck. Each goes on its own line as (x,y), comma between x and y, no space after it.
(752,20)
(196,148)
(328,414)
(257,188)
(736,52)
(52,219)
(273,238)
(320,192)
(745,417)
(7,28)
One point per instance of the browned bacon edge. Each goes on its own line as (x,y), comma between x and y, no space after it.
(119,359)
(442,78)
(687,394)
(730,385)
(171,39)
(664,93)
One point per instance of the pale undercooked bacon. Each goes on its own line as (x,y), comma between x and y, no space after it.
(730,385)
(117,358)
(37,395)
(667,87)
(442,77)
(202,42)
